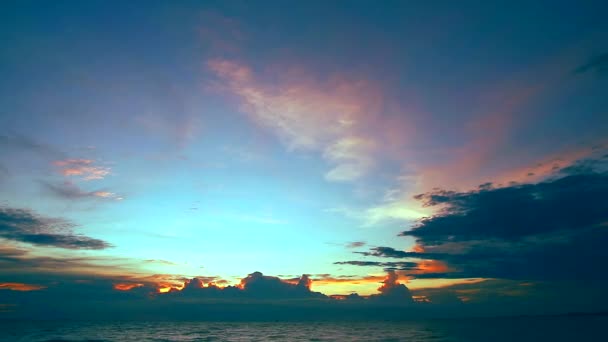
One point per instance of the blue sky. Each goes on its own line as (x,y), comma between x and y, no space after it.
(216,139)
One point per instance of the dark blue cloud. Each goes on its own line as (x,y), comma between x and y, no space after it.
(23,225)
(399,265)
(544,231)
(512,213)
(254,286)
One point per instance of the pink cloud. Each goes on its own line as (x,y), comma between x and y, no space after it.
(338,116)
(84,168)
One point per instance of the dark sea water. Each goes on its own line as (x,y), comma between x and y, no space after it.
(590,328)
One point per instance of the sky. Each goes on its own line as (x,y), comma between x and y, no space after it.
(443,156)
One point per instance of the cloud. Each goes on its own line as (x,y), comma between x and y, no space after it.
(515,212)
(389,252)
(20,287)
(83,168)
(392,290)
(403,265)
(261,297)
(257,285)
(598,64)
(331,116)
(127,286)
(389,211)
(398,204)
(529,231)
(71,191)
(25,265)
(352,157)
(355,244)
(23,225)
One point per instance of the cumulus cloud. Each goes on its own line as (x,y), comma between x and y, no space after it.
(24,225)
(254,286)
(392,290)
(257,285)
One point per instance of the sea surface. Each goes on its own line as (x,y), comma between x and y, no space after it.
(587,328)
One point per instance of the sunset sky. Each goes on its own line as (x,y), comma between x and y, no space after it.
(459,149)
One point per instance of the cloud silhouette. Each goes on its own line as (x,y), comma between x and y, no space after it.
(389,252)
(23,225)
(400,265)
(70,296)
(257,285)
(527,231)
(573,202)
(391,291)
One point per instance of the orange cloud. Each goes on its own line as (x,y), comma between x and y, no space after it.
(167,287)
(20,287)
(418,248)
(83,168)
(127,286)
(107,194)
(431,266)
(390,281)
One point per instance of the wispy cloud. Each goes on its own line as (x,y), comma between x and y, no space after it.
(84,168)
(355,244)
(69,190)
(330,116)
(398,210)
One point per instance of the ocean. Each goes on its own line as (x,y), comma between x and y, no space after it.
(583,328)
